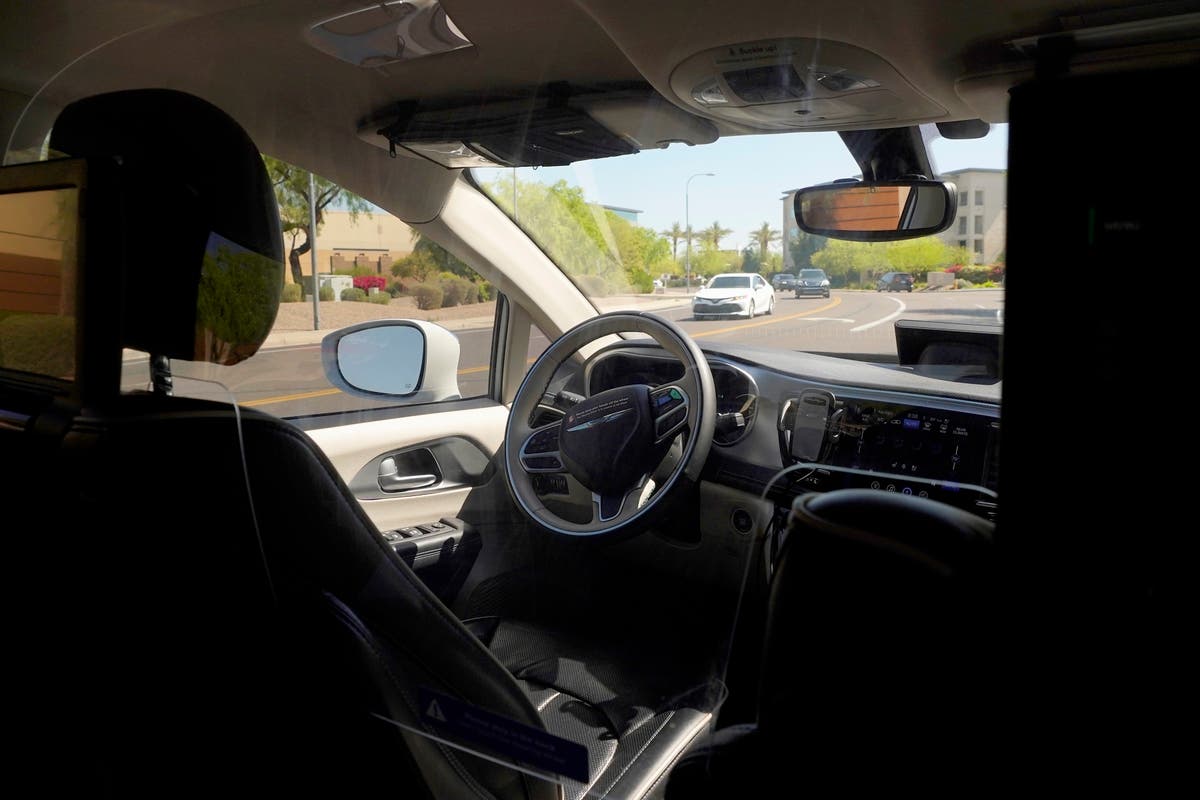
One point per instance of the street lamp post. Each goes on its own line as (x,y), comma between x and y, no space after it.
(687,226)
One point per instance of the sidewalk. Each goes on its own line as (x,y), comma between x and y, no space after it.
(294,321)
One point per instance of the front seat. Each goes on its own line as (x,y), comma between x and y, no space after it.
(238,621)
(878,668)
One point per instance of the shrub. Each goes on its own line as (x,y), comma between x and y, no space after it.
(975,273)
(485,291)
(454,289)
(396,289)
(325,293)
(641,281)
(471,293)
(290,293)
(369,282)
(428,295)
(354,295)
(379,298)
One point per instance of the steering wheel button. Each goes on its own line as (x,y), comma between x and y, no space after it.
(543,462)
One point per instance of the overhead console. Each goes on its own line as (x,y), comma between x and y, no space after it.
(799,84)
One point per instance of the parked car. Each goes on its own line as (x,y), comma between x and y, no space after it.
(731,294)
(894,282)
(812,282)
(783,281)
(590,548)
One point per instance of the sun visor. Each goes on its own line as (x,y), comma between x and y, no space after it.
(555,126)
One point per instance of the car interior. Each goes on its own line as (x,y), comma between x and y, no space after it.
(639,561)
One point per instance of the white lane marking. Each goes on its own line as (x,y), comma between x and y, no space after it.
(979,306)
(882,320)
(829,319)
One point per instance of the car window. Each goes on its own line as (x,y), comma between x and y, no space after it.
(370,266)
(38,247)
(684,215)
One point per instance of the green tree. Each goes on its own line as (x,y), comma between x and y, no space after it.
(918,256)
(675,234)
(291,193)
(764,235)
(803,246)
(846,261)
(418,265)
(713,234)
(750,260)
(443,258)
(599,250)
(711,262)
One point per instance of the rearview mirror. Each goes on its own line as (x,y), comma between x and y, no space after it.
(876,211)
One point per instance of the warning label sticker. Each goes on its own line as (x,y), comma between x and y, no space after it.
(520,743)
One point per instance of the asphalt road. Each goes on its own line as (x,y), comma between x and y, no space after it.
(289,381)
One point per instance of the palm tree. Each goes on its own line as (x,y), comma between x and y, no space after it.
(763,236)
(675,233)
(713,234)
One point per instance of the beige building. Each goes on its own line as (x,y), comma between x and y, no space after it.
(982,212)
(372,240)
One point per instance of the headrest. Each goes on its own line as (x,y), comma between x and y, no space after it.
(202,256)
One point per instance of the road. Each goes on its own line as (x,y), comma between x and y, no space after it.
(289,381)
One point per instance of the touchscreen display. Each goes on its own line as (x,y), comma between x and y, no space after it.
(904,440)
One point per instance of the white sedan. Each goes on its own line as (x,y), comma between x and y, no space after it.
(743,294)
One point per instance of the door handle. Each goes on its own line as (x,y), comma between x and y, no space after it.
(390,479)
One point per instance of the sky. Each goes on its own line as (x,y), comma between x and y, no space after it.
(751,173)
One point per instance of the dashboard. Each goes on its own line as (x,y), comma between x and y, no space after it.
(789,423)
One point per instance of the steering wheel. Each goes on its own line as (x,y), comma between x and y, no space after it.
(611,444)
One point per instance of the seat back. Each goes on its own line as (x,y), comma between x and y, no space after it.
(237,618)
(877,670)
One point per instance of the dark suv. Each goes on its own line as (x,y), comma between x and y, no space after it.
(812,282)
(783,281)
(895,282)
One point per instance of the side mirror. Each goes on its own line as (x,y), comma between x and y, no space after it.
(413,360)
(877,211)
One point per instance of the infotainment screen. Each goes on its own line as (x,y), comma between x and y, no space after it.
(850,442)
(907,440)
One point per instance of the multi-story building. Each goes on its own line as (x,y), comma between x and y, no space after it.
(982,211)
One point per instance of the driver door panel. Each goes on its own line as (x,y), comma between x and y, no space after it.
(454,447)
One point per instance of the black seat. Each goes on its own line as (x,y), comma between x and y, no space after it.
(241,623)
(876,671)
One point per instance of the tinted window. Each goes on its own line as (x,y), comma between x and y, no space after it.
(37,278)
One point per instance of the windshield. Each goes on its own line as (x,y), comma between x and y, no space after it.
(649,230)
(730,282)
